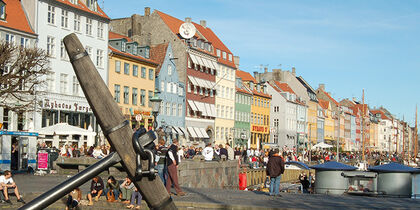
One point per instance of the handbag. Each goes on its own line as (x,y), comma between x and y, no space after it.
(110,196)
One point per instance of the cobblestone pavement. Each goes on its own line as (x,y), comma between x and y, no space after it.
(31,186)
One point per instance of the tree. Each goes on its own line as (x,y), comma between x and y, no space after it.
(23,71)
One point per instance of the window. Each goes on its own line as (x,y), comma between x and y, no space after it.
(123,46)
(64,18)
(75,86)
(179,110)
(135,70)
(230,57)
(224,55)
(24,42)
(222,113)
(100,30)
(150,97)
(117,66)
(162,86)
(117,93)
(50,81)
(276,122)
(168,109)
(76,22)
(142,97)
(88,26)
(134,96)
(51,14)
(126,68)
(143,72)
(50,46)
(218,52)
(174,109)
(99,58)
(63,53)
(151,74)
(126,94)
(89,51)
(2,11)
(169,69)
(231,112)
(63,83)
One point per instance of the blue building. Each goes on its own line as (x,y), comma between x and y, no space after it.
(171,118)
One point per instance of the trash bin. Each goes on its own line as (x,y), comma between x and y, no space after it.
(329,178)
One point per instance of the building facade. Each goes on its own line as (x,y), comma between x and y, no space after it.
(243,98)
(172,92)
(131,80)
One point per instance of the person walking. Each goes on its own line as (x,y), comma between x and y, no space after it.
(275,168)
(172,162)
(231,152)
(161,154)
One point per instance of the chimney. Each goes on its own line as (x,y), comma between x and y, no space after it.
(188,20)
(236,60)
(203,23)
(146,11)
(294,71)
(322,87)
(265,69)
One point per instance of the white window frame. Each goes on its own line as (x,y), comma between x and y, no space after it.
(64,18)
(76,22)
(75,86)
(89,26)
(51,15)
(99,58)
(51,46)
(63,83)
(100,30)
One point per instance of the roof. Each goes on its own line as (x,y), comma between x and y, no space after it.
(324,104)
(243,91)
(305,84)
(363,108)
(139,58)
(81,6)
(245,76)
(158,53)
(16,17)
(394,167)
(174,24)
(333,166)
(383,116)
(261,94)
(331,98)
(284,87)
(113,35)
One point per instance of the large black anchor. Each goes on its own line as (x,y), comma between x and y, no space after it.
(145,150)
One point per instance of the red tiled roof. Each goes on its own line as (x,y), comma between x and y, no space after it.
(383,116)
(16,17)
(284,87)
(243,91)
(83,7)
(261,94)
(158,53)
(174,24)
(113,35)
(140,58)
(245,76)
(331,98)
(363,108)
(323,103)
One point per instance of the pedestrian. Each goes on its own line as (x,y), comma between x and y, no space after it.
(223,152)
(96,189)
(231,153)
(161,153)
(172,162)
(208,152)
(275,168)
(73,198)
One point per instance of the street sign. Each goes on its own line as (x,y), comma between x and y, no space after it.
(138,117)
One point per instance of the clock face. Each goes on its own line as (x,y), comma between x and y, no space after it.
(187,30)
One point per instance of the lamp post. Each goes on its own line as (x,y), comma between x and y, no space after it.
(155,100)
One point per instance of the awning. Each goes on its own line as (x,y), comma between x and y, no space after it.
(178,130)
(208,84)
(200,61)
(194,59)
(208,109)
(204,133)
(193,81)
(192,105)
(174,131)
(216,65)
(207,63)
(211,64)
(200,107)
(192,132)
(198,132)
(213,110)
(183,130)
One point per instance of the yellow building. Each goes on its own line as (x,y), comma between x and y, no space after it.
(312,121)
(328,122)
(131,79)
(260,118)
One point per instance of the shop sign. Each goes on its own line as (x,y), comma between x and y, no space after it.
(256,128)
(144,113)
(76,107)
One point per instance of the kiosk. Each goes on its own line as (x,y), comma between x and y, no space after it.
(26,152)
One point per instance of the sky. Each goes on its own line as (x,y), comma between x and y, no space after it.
(348,45)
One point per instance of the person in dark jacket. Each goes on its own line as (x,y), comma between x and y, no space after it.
(172,162)
(223,152)
(96,189)
(275,168)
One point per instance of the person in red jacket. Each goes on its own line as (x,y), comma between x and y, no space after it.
(275,168)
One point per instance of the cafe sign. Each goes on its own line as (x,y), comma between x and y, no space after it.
(256,128)
(67,106)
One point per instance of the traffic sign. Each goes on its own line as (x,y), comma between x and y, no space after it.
(138,117)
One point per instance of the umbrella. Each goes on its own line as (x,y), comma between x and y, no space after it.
(322,145)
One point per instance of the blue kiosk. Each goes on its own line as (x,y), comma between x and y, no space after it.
(26,153)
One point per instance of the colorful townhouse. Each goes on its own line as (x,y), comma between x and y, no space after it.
(131,79)
(329,137)
(172,92)
(313,115)
(243,99)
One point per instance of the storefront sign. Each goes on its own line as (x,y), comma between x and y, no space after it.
(43,160)
(18,133)
(144,113)
(256,128)
(76,107)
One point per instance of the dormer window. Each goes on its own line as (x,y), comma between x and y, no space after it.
(224,55)
(230,57)
(2,10)
(123,46)
(218,53)
(92,5)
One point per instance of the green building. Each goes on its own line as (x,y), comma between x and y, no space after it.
(243,97)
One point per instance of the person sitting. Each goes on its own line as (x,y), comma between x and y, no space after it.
(112,190)
(74,199)
(135,195)
(127,188)
(96,189)
(97,153)
(6,182)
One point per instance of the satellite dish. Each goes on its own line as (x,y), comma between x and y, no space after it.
(187,30)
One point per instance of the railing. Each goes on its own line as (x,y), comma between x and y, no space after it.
(258,176)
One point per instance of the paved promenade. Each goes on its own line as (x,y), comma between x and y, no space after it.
(31,186)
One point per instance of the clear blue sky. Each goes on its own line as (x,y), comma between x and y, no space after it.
(348,45)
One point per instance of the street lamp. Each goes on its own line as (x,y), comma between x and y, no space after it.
(155,100)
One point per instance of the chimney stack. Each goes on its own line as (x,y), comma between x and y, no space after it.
(294,71)
(236,61)
(322,87)
(265,69)
(203,23)
(146,11)
(188,20)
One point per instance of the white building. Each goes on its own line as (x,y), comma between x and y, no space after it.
(52,20)
(385,132)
